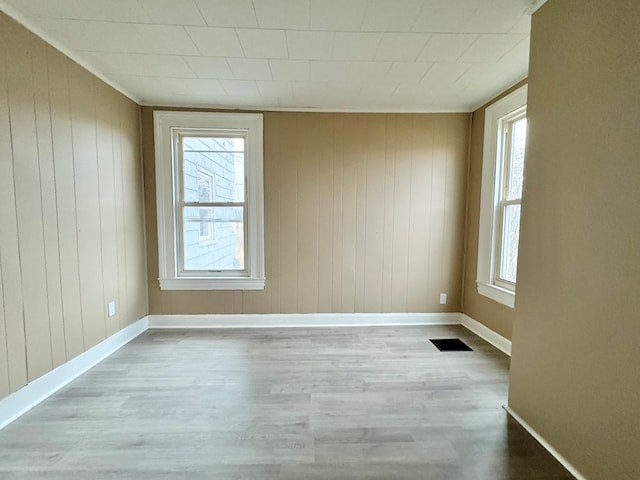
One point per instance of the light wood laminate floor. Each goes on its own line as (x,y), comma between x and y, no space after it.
(298,403)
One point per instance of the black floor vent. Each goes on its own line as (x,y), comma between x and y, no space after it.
(451,345)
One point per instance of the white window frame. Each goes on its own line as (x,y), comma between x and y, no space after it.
(166,124)
(492,173)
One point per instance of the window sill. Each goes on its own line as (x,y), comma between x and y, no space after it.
(199,283)
(500,295)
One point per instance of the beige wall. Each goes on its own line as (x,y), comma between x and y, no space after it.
(363,213)
(496,316)
(70,209)
(575,369)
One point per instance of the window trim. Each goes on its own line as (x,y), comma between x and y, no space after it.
(165,122)
(490,195)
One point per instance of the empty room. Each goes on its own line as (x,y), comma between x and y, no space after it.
(320,239)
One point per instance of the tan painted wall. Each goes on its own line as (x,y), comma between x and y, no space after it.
(494,315)
(70,209)
(363,213)
(575,369)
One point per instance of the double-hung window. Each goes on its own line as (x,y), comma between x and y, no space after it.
(502,181)
(210,200)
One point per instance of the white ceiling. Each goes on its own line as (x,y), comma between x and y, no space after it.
(360,55)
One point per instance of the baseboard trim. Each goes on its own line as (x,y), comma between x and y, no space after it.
(313,320)
(495,339)
(302,320)
(23,400)
(547,446)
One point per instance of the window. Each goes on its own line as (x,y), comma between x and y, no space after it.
(505,134)
(210,200)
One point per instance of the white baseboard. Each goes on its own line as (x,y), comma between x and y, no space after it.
(23,400)
(302,320)
(330,320)
(563,461)
(486,333)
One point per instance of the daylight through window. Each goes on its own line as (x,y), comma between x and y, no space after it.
(515,132)
(210,194)
(501,196)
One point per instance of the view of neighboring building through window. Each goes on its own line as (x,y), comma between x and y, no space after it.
(210,200)
(213,203)
(205,195)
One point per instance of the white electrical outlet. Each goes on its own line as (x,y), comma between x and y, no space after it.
(443,299)
(112,308)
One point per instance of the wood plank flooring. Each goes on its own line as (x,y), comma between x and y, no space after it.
(265,404)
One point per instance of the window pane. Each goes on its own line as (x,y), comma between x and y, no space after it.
(518,131)
(222,159)
(205,188)
(510,237)
(225,251)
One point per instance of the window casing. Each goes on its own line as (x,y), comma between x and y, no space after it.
(501,195)
(210,200)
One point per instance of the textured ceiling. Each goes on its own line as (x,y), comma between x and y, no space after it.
(361,55)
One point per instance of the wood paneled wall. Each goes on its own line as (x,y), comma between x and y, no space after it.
(71,214)
(363,213)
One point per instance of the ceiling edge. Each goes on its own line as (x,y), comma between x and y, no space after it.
(497,94)
(534,5)
(37,31)
(300,109)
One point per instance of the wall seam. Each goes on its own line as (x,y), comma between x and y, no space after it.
(144,208)
(55,194)
(44,240)
(15,201)
(102,271)
(466,215)
(75,205)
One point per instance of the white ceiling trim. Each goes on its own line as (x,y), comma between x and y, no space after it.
(534,5)
(303,109)
(476,107)
(36,30)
